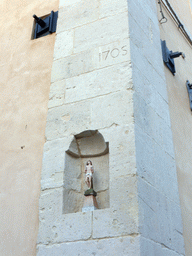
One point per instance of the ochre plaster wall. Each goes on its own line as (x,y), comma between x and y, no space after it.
(181,117)
(183,9)
(25,71)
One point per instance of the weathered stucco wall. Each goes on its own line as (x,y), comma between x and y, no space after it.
(181,117)
(25,71)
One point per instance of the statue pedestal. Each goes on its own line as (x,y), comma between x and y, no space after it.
(90,203)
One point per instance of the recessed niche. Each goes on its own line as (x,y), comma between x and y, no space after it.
(88,145)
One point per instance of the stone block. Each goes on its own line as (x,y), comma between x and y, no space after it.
(123,195)
(99,82)
(53,165)
(147,86)
(115,246)
(113,109)
(154,219)
(78,14)
(160,84)
(63,44)
(114,223)
(122,150)
(73,227)
(58,144)
(143,15)
(111,7)
(154,125)
(160,106)
(145,147)
(72,65)
(89,60)
(57,94)
(160,169)
(72,173)
(166,178)
(101,32)
(146,64)
(103,199)
(167,138)
(68,120)
(68,227)
(151,248)
(177,239)
(148,43)
(72,201)
(140,61)
(51,204)
(144,116)
(50,210)
(114,53)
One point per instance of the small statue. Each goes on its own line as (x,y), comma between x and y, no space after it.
(89,174)
(90,202)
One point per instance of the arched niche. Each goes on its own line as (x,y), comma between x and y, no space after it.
(88,145)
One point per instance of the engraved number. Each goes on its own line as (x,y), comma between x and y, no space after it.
(105,54)
(114,53)
(124,50)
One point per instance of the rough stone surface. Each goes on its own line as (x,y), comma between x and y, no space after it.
(56,226)
(81,13)
(119,113)
(112,7)
(151,248)
(109,247)
(114,222)
(73,65)
(66,120)
(98,83)
(122,157)
(101,32)
(57,94)
(53,164)
(113,53)
(64,44)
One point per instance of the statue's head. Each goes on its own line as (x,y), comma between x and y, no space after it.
(89,162)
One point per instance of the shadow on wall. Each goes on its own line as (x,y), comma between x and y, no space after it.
(88,145)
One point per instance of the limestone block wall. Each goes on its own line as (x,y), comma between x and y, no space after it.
(91,90)
(160,216)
